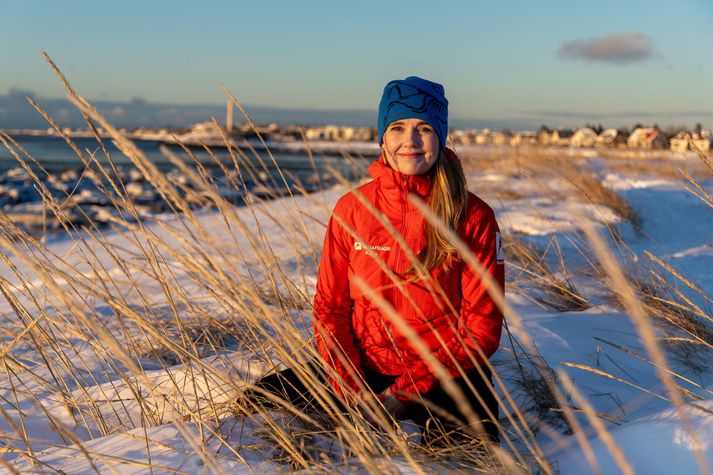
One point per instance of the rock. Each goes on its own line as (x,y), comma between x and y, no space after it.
(69,175)
(134,189)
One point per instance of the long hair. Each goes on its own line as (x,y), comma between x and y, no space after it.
(448,201)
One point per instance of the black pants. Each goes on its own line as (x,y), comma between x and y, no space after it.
(437,426)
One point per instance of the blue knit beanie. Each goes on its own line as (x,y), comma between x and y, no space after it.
(414,98)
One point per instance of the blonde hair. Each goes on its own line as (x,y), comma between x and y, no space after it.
(449,201)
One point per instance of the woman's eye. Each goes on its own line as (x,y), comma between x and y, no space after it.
(396,128)
(426,130)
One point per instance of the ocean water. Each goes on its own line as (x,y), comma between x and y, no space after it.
(55,155)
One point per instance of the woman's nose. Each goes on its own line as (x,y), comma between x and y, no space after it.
(412,137)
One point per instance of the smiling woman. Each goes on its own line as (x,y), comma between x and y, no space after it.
(400,320)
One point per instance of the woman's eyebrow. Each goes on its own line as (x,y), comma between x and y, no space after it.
(400,122)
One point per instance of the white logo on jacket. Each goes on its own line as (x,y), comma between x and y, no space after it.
(358,246)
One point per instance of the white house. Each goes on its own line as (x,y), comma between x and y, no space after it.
(584,137)
(562,137)
(683,141)
(606,138)
(647,138)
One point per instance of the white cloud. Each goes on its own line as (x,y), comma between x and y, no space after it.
(618,48)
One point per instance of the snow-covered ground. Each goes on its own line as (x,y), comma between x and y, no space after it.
(44,429)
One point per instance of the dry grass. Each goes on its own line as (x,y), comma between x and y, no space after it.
(594,191)
(518,162)
(163,303)
(181,293)
(694,186)
(533,384)
(663,167)
(556,290)
(688,328)
(541,164)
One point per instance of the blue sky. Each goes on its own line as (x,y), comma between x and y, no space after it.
(559,60)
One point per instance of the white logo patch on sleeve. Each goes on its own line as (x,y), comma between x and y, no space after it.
(499,248)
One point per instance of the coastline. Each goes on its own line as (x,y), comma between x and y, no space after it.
(82,192)
(193,140)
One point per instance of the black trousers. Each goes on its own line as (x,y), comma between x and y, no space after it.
(433,414)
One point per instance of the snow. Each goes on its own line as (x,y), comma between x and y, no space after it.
(618,182)
(540,217)
(658,443)
(588,346)
(170,448)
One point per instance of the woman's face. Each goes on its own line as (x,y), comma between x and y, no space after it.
(410,146)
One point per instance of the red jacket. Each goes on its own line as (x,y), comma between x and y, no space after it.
(350,328)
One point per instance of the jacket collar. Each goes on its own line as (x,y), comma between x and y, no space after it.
(391,180)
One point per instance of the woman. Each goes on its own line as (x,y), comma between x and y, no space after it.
(380,253)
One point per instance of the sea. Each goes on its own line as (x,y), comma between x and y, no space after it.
(55,155)
(65,177)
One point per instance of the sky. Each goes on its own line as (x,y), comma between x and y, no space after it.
(560,62)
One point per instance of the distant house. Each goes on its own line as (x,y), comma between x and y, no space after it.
(607,138)
(523,137)
(544,136)
(459,136)
(498,138)
(482,137)
(355,134)
(291,132)
(622,138)
(647,138)
(562,137)
(584,137)
(679,142)
(203,127)
(515,139)
(701,143)
(364,134)
(328,132)
(528,137)
(315,133)
(682,141)
(346,133)
(341,134)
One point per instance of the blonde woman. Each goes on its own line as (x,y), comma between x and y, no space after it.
(381,256)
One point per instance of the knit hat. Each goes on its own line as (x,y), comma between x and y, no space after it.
(414,98)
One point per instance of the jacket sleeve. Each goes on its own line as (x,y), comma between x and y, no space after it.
(480,320)
(333,310)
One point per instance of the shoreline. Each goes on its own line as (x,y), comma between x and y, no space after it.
(359,148)
(215,141)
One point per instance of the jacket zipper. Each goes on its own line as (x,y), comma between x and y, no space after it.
(400,256)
